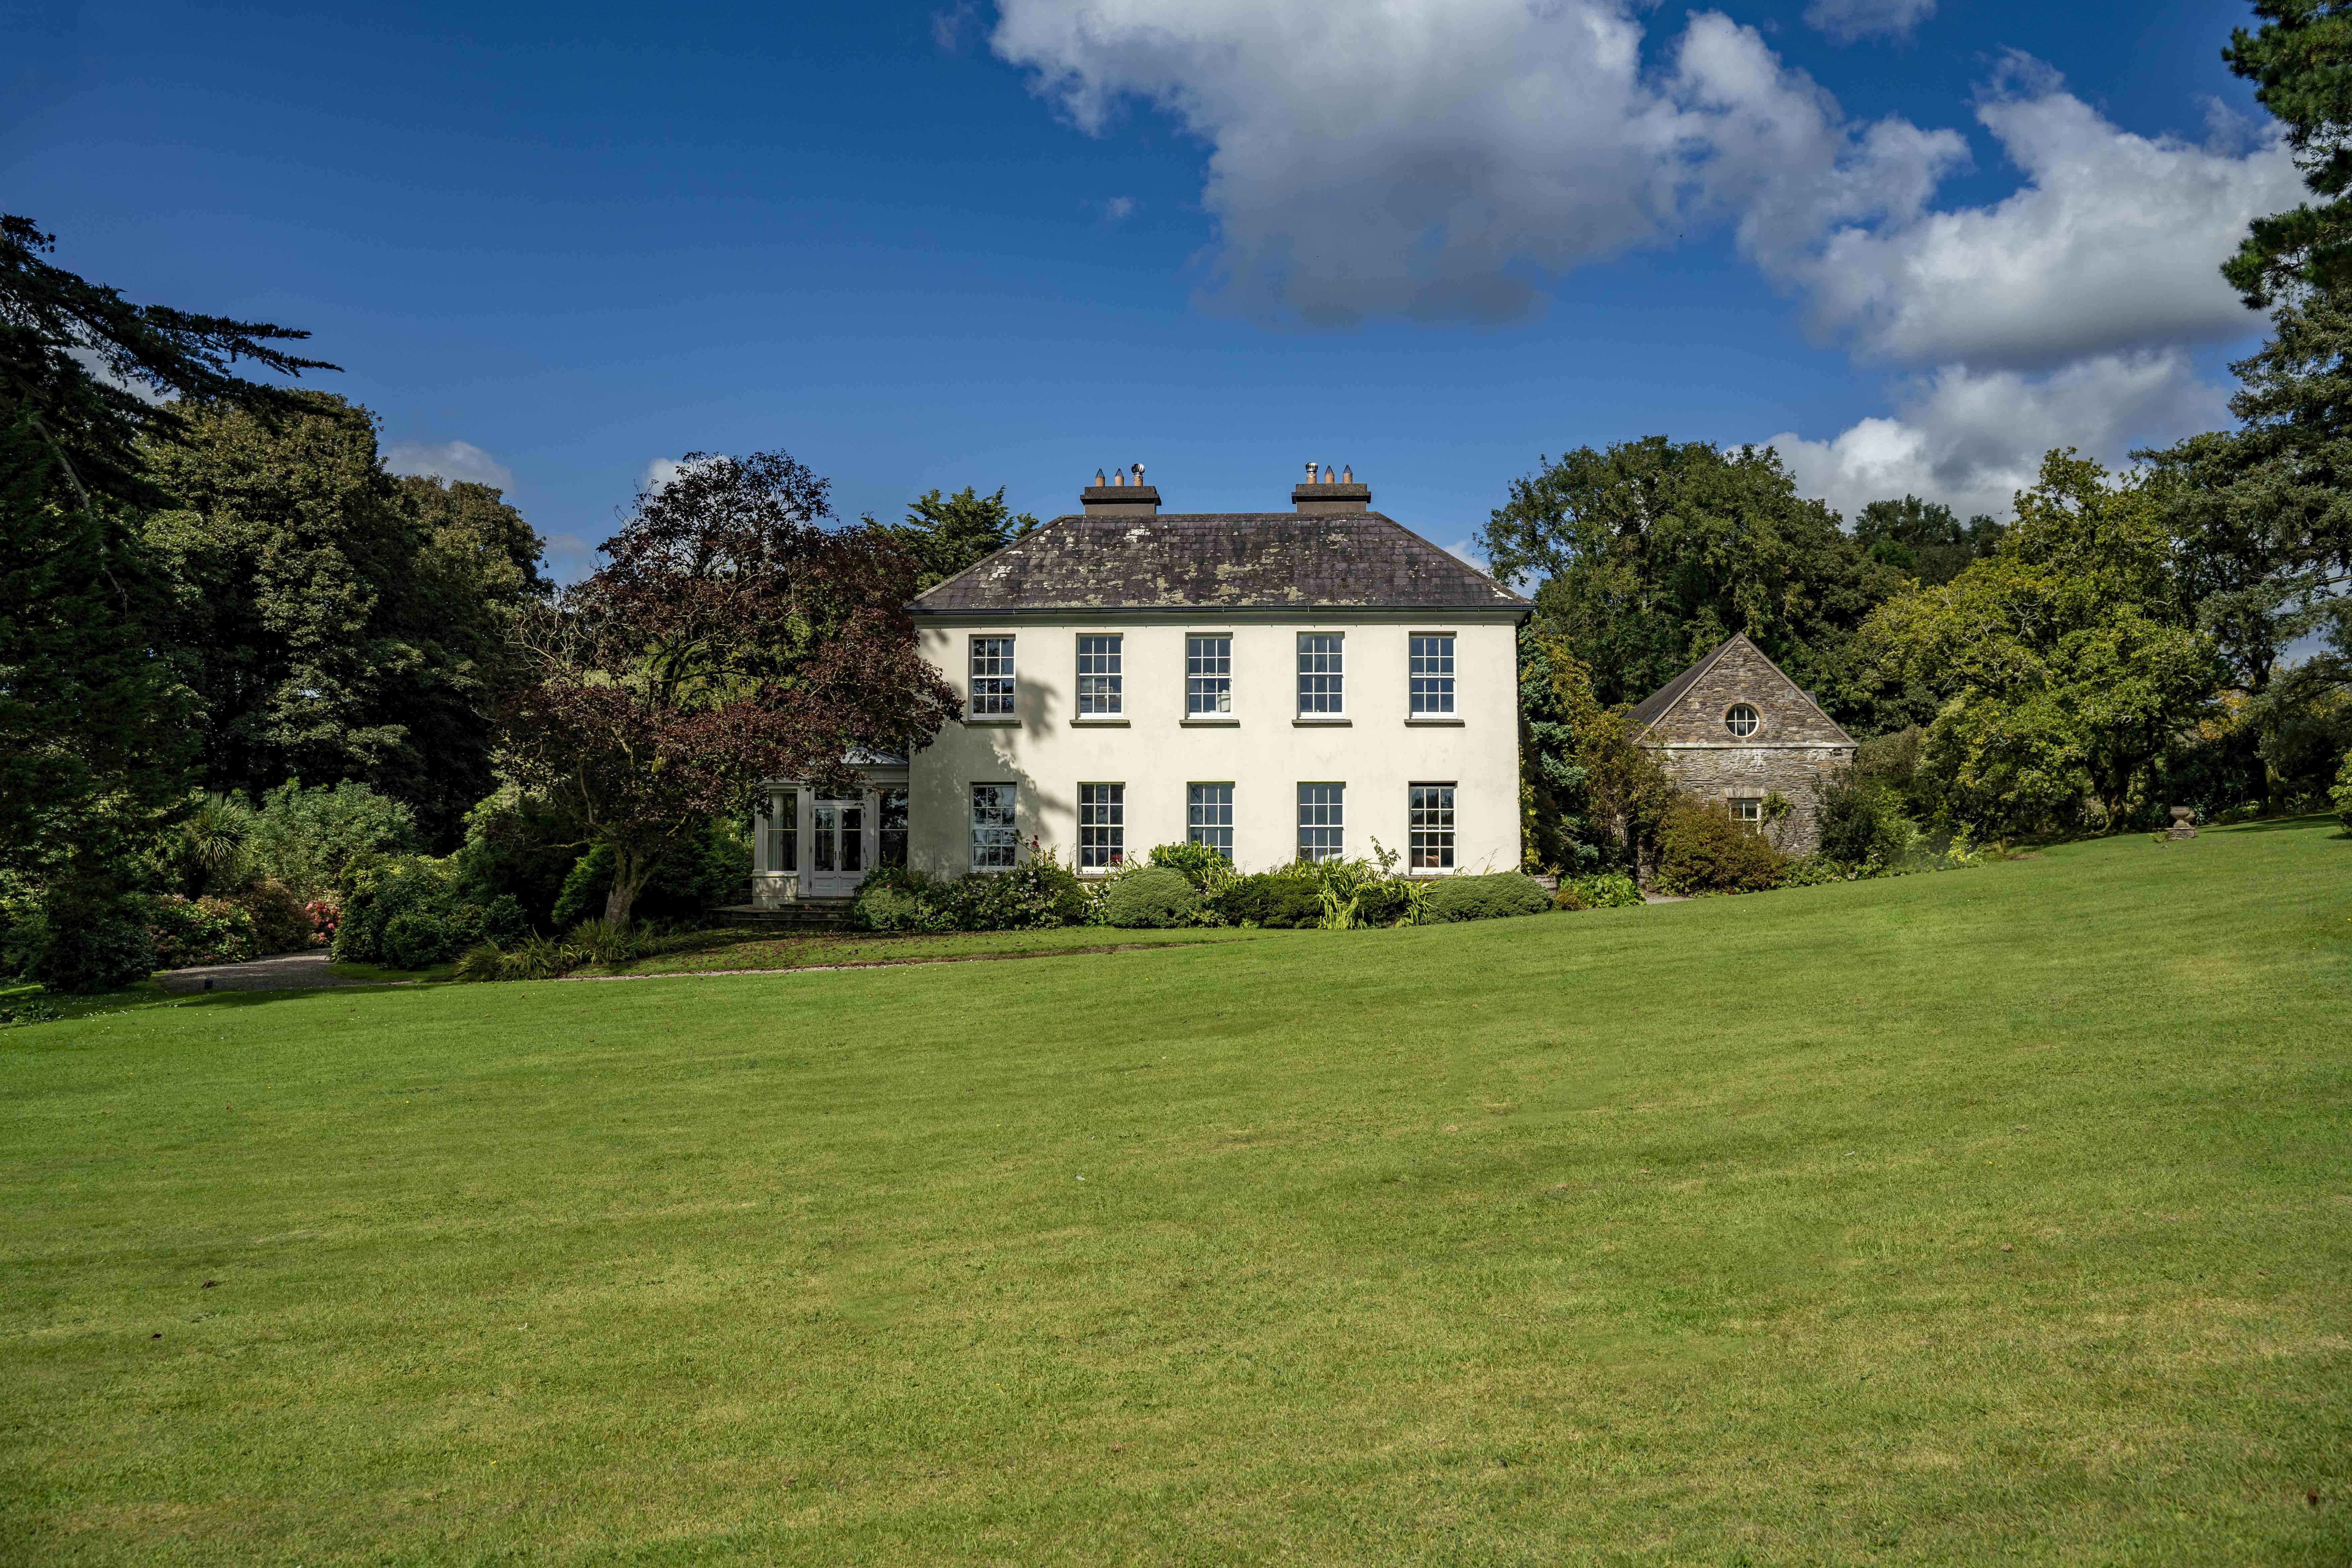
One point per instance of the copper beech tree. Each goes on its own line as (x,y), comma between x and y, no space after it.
(729,638)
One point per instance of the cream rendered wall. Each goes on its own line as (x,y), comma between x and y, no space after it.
(1263,752)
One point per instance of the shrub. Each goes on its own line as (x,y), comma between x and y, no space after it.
(1277,899)
(1203,866)
(604,943)
(888,908)
(280,924)
(1151,897)
(313,839)
(435,920)
(184,931)
(703,871)
(1487,897)
(1862,822)
(1602,890)
(1813,871)
(517,843)
(2340,798)
(91,944)
(1702,850)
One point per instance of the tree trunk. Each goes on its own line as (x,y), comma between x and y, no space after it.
(632,869)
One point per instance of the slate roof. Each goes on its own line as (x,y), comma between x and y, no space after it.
(1218,560)
(1654,707)
(1659,704)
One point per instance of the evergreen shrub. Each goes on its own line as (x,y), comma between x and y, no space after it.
(1702,850)
(1152,897)
(2340,798)
(1602,890)
(1862,822)
(185,932)
(1488,897)
(1203,866)
(90,944)
(414,912)
(1277,899)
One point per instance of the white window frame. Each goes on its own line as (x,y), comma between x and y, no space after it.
(1328,697)
(1335,823)
(997,854)
(999,657)
(1731,720)
(1429,674)
(1101,675)
(1208,691)
(1197,829)
(1429,827)
(784,830)
(1748,810)
(1102,826)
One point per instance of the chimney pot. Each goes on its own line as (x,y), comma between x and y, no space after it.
(1099,480)
(1348,474)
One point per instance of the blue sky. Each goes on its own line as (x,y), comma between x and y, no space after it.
(1919,240)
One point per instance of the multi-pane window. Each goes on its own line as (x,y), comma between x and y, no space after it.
(784,831)
(1320,673)
(1428,825)
(1208,675)
(995,839)
(1321,820)
(1742,720)
(1209,816)
(1748,811)
(1102,826)
(991,676)
(1430,670)
(890,849)
(1098,676)
(837,835)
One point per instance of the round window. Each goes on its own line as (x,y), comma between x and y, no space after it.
(1741,719)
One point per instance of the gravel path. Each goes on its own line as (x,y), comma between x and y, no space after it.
(284,971)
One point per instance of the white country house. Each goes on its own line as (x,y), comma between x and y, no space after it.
(1277,685)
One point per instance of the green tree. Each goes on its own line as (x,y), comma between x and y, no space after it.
(2300,61)
(2068,657)
(93,713)
(1652,553)
(1923,538)
(2264,516)
(947,533)
(338,623)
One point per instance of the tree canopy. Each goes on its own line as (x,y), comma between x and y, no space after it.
(729,637)
(1923,538)
(2300,61)
(1652,553)
(947,533)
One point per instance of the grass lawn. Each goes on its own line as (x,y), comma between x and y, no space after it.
(2001,1215)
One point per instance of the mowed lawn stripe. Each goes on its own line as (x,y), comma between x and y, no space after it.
(1998,1216)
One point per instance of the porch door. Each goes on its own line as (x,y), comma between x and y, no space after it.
(837,849)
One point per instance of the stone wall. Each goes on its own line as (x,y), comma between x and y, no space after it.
(1795,749)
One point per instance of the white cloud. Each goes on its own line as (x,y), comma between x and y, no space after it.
(1971,440)
(948,27)
(2114,242)
(659,473)
(457,461)
(1516,140)
(1118,207)
(1848,20)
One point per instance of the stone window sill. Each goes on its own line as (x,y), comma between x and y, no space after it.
(1099,721)
(1435,721)
(1202,722)
(1319,724)
(993,722)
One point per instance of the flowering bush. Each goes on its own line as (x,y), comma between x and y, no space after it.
(324,917)
(186,932)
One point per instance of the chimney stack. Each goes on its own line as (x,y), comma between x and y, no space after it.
(1322,493)
(1122,496)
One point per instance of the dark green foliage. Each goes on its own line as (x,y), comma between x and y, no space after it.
(1383,903)
(1606,891)
(335,622)
(185,932)
(1862,822)
(1203,866)
(948,534)
(1279,898)
(2339,795)
(90,943)
(1152,897)
(1652,552)
(1556,799)
(1923,538)
(516,843)
(279,922)
(1702,850)
(413,912)
(310,839)
(706,871)
(2300,61)
(1038,894)
(1489,896)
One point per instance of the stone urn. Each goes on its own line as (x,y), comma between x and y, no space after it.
(2184,823)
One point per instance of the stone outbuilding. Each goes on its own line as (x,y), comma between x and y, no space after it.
(1734,728)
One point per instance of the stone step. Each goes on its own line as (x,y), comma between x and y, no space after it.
(817,914)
